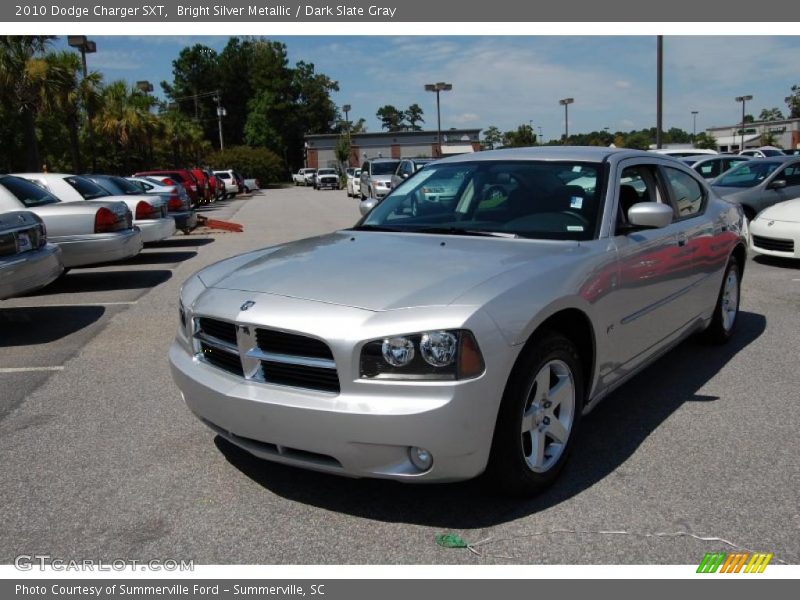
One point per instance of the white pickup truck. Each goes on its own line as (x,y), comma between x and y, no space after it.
(304,177)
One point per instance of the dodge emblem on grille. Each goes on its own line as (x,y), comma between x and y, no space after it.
(247,305)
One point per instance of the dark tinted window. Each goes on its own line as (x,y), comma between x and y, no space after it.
(86,188)
(384,168)
(30,194)
(709,169)
(791,174)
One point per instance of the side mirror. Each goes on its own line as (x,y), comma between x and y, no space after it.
(650,215)
(777,184)
(404,175)
(367,205)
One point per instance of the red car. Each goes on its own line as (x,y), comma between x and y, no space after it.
(203,186)
(184,177)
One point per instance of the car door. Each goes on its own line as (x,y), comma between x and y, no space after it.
(791,175)
(655,271)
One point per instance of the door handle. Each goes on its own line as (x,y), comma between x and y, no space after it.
(681,240)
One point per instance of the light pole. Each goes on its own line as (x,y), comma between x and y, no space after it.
(565,102)
(694,126)
(346,108)
(659,87)
(86,46)
(438,87)
(541,139)
(743,100)
(221,112)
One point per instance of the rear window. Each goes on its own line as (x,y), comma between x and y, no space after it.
(224,175)
(86,188)
(30,194)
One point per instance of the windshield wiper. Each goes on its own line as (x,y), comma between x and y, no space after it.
(462,231)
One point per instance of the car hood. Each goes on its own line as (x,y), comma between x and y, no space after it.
(378,271)
(783,211)
(732,193)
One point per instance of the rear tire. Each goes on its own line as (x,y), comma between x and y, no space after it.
(726,312)
(538,417)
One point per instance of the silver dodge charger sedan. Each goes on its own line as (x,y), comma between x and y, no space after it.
(470,334)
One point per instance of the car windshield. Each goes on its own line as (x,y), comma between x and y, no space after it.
(747,174)
(326,172)
(385,168)
(769,152)
(30,194)
(87,188)
(531,199)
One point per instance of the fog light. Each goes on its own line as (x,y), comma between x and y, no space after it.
(420,458)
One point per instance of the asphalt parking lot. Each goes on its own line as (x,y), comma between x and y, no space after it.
(101,459)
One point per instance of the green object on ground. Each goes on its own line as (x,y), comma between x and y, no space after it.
(450,540)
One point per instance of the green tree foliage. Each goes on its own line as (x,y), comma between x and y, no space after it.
(770,114)
(261,163)
(492,138)
(391,118)
(413,116)
(522,136)
(706,141)
(793,102)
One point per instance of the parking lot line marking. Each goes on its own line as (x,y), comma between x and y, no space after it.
(28,369)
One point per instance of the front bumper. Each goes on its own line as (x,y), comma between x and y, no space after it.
(367,429)
(333,184)
(155,230)
(98,248)
(30,271)
(781,239)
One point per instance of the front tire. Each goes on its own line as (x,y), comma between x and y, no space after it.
(538,417)
(726,312)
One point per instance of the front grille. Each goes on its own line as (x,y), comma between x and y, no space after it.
(774,244)
(281,342)
(222,330)
(222,359)
(278,357)
(315,378)
(297,361)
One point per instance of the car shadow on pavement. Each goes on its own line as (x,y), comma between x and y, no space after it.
(181,242)
(77,281)
(777,261)
(149,257)
(609,436)
(30,326)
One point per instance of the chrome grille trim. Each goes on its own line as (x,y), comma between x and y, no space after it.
(303,361)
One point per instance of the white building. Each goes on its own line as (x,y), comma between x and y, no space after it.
(786,134)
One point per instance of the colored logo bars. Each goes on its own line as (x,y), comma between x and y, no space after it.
(734,563)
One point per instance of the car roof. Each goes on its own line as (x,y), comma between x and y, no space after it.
(383,159)
(555,153)
(782,158)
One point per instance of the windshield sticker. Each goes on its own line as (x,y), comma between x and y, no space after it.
(574,227)
(576,202)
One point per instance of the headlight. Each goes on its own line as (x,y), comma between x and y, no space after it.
(430,355)
(190,291)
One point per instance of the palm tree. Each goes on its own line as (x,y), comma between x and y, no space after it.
(25,84)
(125,120)
(72,93)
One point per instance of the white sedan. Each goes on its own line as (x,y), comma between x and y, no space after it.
(776,230)
(353,182)
(27,261)
(149,211)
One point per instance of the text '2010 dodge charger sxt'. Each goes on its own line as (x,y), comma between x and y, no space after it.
(450,334)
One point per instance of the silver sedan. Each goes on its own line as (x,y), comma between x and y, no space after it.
(149,212)
(27,261)
(90,232)
(469,336)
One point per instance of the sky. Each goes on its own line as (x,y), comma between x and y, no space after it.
(511,80)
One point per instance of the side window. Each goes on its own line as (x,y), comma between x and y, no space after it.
(637,184)
(687,193)
(709,169)
(792,175)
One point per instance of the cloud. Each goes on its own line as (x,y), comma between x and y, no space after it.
(465,118)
